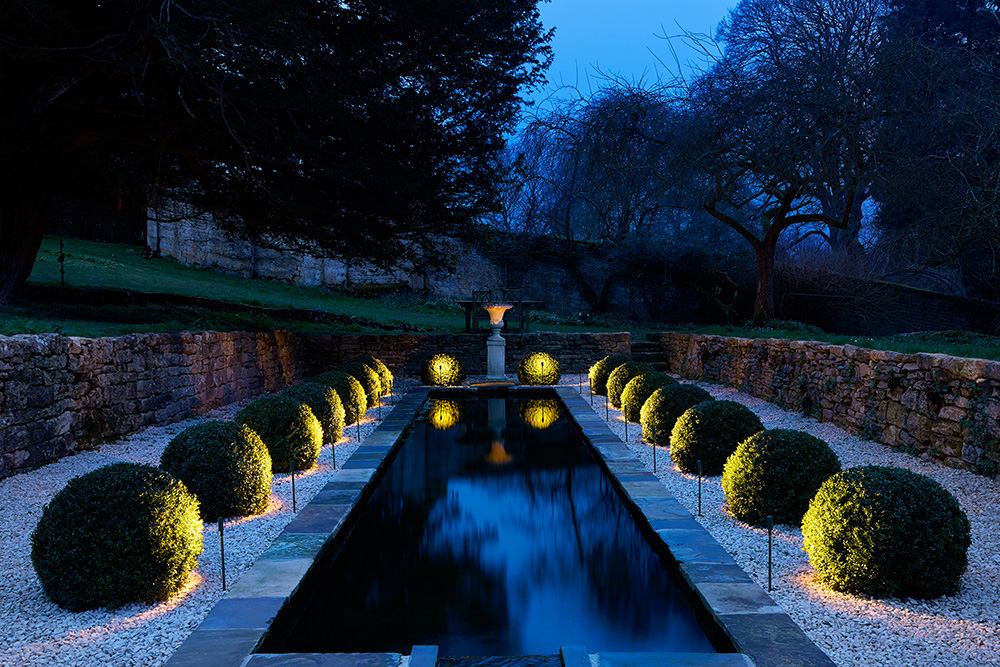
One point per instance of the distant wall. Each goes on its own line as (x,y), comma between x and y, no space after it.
(59,394)
(946,408)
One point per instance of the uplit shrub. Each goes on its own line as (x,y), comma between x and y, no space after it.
(325,404)
(538,368)
(600,371)
(539,413)
(384,374)
(710,432)
(664,407)
(639,389)
(288,428)
(621,376)
(886,532)
(225,465)
(123,534)
(368,379)
(351,393)
(443,414)
(776,473)
(442,370)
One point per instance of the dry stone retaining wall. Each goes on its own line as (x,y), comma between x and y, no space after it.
(58,393)
(933,405)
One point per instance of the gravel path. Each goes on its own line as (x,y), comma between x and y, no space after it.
(36,632)
(960,630)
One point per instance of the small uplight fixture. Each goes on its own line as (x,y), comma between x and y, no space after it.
(498,455)
(495,344)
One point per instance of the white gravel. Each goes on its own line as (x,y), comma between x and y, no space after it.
(959,630)
(36,632)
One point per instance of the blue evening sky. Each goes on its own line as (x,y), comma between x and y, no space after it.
(622,37)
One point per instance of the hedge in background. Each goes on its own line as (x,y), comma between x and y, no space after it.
(600,371)
(886,532)
(710,432)
(325,404)
(123,534)
(538,368)
(225,465)
(639,389)
(288,428)
(621,376)
(350,391)
(776,473)
(664,407)
(368,379)
(442,370)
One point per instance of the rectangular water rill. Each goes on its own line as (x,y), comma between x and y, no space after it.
(494,532)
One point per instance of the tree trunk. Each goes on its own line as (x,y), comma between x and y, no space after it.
(21,230)
(763,305)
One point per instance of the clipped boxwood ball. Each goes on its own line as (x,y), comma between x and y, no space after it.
(640,388)
(776,473)
(122,534)
(288,428)
(225,465)
(351,393)
(664,407)
(368,379)
(621,376)
(538,368)
(384,374)
(710,432)
(442,370)
(325,404)
(600,371)
(886,532)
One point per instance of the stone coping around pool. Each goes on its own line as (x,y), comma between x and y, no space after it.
(751,619)
(237,624)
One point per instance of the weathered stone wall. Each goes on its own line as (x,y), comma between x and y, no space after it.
(58,394)
(934,405)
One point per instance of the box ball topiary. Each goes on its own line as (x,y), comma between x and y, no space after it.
(442,370)
(639,389)
(384,374)
(351,393)
(664,407)
(368,379)
(621,376)
(224,464)
(776,472)
(325,404)
(886,532)
(600,371)
(710,432)
(288,428)
(538,368)
(123,534)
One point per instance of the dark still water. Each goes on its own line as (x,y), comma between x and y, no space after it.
(494,532)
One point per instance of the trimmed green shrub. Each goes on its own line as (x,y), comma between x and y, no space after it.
(886,532)
(368,379)
(664,407)
(640,388)
(122,534)
(288,428)
(225,465)
(351,393)
(442,370)
(776,473)
(325,404)
(710,432)
(621,376)
(600,371)
(538,368)
(384,374)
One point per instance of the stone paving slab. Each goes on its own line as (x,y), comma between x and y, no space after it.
(673,660)
(324,519)
(324,660)
(271,578)
(355,463)
(294,547)
(774,640)
(336,496)
(242,613)
(215,648)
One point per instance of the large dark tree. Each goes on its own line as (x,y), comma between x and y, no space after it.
(360,128)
